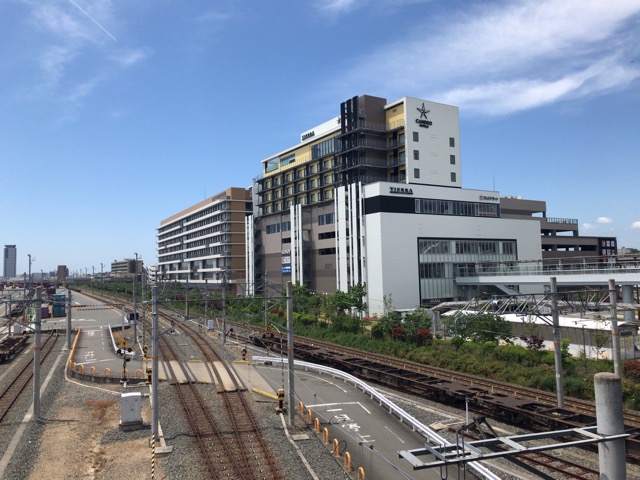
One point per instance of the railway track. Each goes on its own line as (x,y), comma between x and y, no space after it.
(357,358)
(520,406)
(231,444)
(11,393)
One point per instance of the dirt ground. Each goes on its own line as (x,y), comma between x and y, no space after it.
(78,444)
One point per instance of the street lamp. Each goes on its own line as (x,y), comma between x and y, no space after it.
(102,274)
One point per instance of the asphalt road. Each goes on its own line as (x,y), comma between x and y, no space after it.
(367,431)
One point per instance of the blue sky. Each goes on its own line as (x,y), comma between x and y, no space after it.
(115,114)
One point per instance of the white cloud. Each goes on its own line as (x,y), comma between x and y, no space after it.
(587,226)
(338,5)
(604,220)
(508,56)
(127,58)
(635,225)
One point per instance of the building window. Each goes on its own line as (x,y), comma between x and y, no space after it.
(313,197)
(327,195)
(324,236)
(312,169)
(452,159)
(416,155)
(327,251)
(326,219)
(453,176)
(273,228)
(452,142)
(313,183)
(416,173)
(415,136)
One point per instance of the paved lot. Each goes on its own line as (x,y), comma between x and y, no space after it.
(372,436)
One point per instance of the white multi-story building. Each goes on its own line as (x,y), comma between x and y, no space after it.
(374,196)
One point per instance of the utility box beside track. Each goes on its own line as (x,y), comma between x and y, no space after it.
(130,411)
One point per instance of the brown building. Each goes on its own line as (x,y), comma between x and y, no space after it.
(561,239)
(205,243)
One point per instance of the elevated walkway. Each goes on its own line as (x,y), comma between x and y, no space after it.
(574,277)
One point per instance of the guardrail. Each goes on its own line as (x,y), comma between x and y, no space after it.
(394,409)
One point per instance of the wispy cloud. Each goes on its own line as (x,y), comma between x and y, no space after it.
(88,15)
(79,51)
(338,5)
(587,226)
(604,220)
(635,225)
(509,56)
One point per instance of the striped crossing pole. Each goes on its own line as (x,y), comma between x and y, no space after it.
(153,457)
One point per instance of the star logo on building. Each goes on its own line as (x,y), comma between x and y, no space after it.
(423,111)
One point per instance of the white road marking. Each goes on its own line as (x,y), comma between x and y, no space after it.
(388,430)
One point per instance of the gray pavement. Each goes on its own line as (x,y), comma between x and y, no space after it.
(95,347)
(369,432)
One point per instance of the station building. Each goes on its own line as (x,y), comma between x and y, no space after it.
(375,196)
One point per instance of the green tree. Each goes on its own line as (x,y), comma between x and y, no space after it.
(484,328)
(389,321)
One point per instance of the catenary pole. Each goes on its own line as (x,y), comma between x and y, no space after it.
(36,355)
(154,362)
(557,351)
(290,352)
(615,334)
(68,319)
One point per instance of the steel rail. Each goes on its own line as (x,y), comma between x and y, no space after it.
(12,392)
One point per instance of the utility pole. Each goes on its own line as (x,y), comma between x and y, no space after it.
(155,338)
(290,352)
(615,334)
(186,301)
(266,301)
(36,355)
(68,319)
(224,307)
(556,341)
(135,303)
(206,300)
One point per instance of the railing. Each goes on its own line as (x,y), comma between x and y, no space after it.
(569,221)
(590,267)
(402,415)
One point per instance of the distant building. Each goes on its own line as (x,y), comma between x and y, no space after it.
(126,268)
(205,243)
(561,239)
(62,273)
(10,256)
